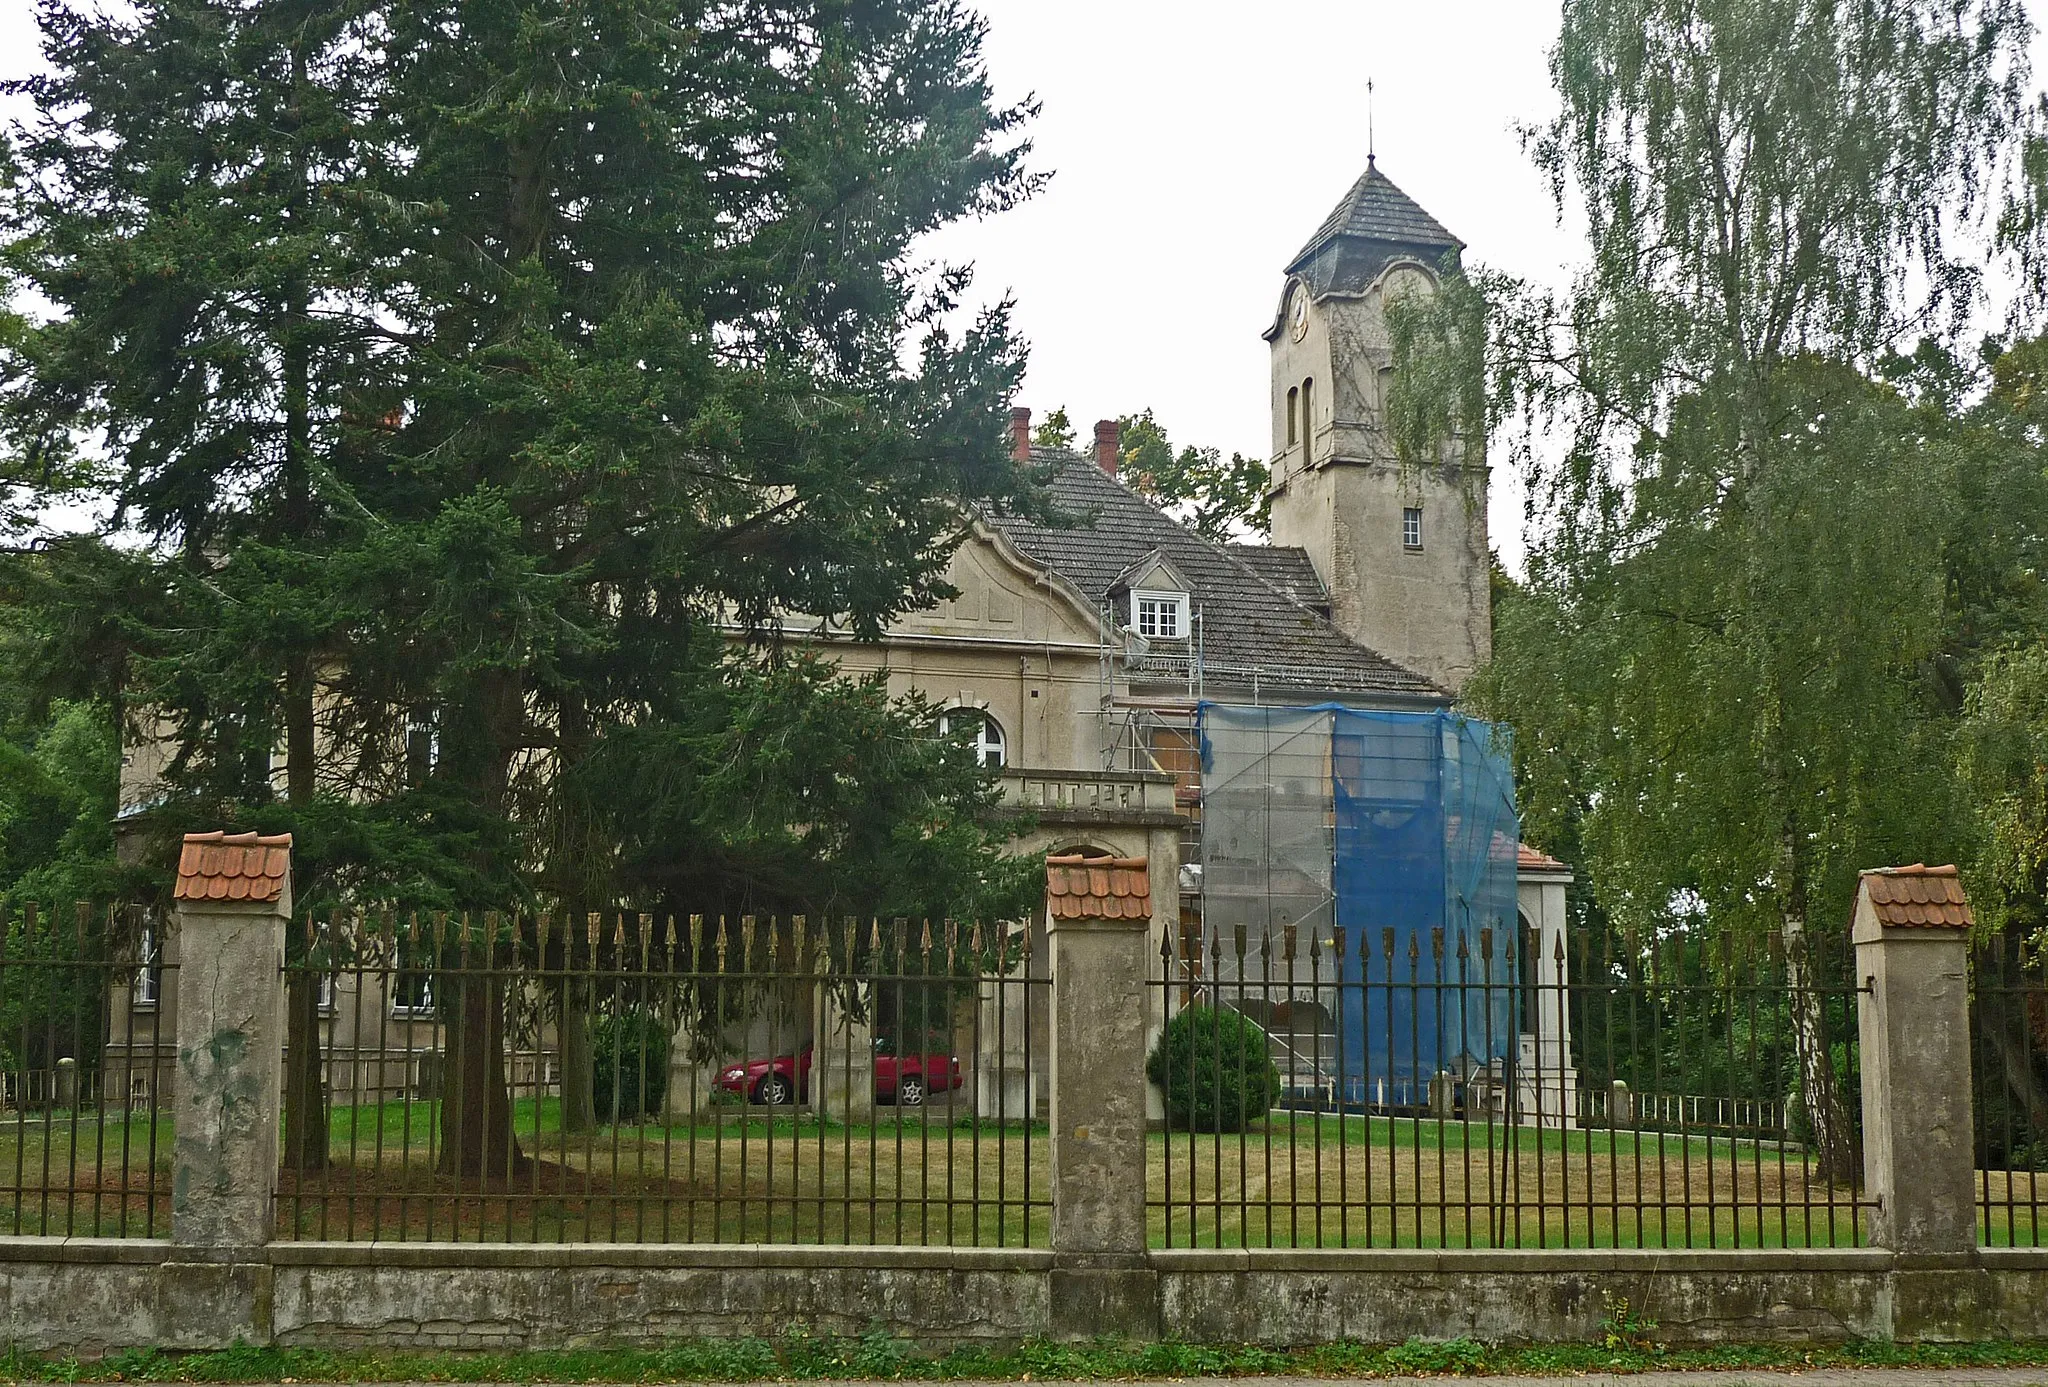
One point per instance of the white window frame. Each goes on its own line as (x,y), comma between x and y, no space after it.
(991,747)
(1148,609)
(423,1001)
(1411,527)
(149,973)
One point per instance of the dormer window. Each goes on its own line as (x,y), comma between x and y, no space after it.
(1160,615)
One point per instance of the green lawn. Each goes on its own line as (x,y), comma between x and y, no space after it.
(934,1175)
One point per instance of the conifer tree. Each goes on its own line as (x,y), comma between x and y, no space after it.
(493,378)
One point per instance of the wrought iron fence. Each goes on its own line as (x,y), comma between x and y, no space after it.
(2009,1090)
(699,1079)
(1480,1090)
(85,1056)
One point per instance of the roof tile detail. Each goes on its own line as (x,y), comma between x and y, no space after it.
(1373,225)
(1376,210)
(1248,621)
(1098,888)
(222,866)
(1529,859)
(1918,895)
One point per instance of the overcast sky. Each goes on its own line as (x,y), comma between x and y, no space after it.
(1194,147)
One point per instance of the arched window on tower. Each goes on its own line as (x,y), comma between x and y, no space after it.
(1308,416)
(1293,404)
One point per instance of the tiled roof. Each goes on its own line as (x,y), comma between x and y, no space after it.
(221,866)
(1918,895)
(1528,859)
(1376,210)
(1247,622)
(1287,567)
(1098,888)
(1371,224)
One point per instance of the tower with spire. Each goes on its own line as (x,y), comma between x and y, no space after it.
(1401,546)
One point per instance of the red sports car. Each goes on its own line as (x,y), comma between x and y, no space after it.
(904,1080)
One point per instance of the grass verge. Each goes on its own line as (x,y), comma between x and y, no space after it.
(878,1356)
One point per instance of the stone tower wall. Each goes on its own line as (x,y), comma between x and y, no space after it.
(1340,492)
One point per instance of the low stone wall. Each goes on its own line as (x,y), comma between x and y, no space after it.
(89,1295)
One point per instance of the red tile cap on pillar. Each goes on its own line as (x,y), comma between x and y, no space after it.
(1098,888)
(1530,859)
(1918,895)
(221,866)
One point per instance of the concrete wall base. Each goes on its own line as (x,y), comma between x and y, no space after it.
(90,1295)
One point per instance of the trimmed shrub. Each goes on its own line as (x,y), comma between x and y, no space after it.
(1215,1069)
(629,1060)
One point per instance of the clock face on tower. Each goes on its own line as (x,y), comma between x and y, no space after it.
(1297,314)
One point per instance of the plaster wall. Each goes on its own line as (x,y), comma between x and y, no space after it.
(1340,494)
(1010,645)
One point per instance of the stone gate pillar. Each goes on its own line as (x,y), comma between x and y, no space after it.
(1911,929)
(1099,927)
(233,897)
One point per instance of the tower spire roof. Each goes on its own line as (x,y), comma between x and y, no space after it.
(1376,210)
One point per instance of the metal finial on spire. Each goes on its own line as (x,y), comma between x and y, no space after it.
(1368,123)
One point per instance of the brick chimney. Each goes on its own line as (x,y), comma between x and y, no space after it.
(1020,433)
(1108,445)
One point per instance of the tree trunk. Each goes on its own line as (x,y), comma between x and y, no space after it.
(579,1096)
(305,1091)
(305,1113)
(2015,1064)
(1827,1116)
(305,1088)
(477,1140)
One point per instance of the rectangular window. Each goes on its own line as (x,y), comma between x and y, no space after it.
(1411,528)
(149,977)
(412,993)
(1162,616)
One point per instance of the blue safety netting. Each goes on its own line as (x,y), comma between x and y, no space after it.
(1386,839)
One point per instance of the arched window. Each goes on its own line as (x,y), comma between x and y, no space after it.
(1308,414)
(1293,404)
(989,748)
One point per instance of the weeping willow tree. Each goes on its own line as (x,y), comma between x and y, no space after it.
(1736,586)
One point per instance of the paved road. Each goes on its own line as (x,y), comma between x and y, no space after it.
(1729,1377)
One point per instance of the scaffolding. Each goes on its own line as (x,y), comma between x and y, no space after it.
(1384,843)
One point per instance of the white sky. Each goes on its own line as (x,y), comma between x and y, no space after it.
(1194,145)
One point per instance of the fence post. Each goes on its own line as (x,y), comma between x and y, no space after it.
(843,1060)
(1911,930)
(1102,1282)
(233,896)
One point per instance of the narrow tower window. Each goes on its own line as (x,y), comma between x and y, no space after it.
(1411,528)
(1308,415)
(1293,403)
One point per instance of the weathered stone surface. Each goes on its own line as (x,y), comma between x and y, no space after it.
(564,1305)
(92,1295)
(843,1061)
(1098,1087)
(1914,1029)
(1515,1298)
(230,1077)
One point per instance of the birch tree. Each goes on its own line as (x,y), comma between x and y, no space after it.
(1735,588)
